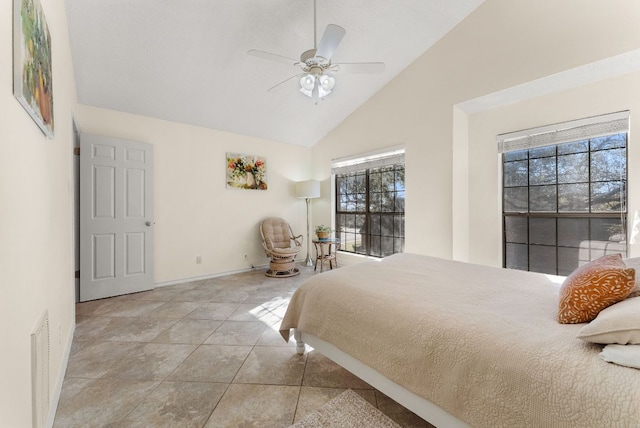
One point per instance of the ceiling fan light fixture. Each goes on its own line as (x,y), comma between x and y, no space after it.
(322,93)
(307,82)
(327,82)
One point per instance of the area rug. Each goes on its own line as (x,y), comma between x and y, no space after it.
(346,410)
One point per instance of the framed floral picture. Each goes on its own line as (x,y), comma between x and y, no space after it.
(246,172)
(32,83)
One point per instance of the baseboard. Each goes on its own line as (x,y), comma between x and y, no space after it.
(62,370)
(213,275)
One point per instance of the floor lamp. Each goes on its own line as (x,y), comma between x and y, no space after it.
(308,190)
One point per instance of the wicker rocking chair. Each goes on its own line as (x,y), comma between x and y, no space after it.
(277,238)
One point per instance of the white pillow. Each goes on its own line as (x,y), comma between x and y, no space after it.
(634,263)
(622,355)
(619,323)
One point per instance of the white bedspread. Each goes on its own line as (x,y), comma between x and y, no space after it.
(482,343)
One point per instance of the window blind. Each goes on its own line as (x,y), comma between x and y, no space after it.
(380,158)
(565,132)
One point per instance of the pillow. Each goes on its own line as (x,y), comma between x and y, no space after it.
(623,355)
(619,323)
(634,262)
(594,286)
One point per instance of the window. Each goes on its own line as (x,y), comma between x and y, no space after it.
(370,196)
(565,204)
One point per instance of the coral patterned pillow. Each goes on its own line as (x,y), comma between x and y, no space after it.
(594,286)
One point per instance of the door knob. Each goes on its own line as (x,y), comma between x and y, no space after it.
(148,223)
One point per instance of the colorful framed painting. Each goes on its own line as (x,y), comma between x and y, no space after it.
(246,172)
(32,84)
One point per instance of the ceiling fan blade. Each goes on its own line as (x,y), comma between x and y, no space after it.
(360,67)
(282,84)
(330,40)
(272,56)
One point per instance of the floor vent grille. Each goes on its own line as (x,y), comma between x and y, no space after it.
(40,371)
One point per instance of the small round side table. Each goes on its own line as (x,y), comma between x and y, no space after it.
(326,252)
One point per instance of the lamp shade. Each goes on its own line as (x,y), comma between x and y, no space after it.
(308,189)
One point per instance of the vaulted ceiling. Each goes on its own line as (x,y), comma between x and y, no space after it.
(186,61)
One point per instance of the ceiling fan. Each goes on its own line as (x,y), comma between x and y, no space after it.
(316,76)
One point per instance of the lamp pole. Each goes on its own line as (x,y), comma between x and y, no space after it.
(308,190)
(307,261)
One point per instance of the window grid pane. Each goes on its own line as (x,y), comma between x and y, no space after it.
(565,205)
(370,210)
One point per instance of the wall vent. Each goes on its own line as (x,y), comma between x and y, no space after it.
(40,371)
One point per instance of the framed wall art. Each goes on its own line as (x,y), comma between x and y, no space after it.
(246,172)
(32,76)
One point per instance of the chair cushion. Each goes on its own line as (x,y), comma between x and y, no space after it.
(278,231)
(286,251)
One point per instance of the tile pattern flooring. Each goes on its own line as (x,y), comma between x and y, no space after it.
(200,354)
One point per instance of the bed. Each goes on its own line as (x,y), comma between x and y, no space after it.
(462,344)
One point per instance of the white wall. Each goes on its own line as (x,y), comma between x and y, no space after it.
(500,45)
(608,96)
(195,214)
(36,192)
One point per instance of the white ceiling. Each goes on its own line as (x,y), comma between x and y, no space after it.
(186,61)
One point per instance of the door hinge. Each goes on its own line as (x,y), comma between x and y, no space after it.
(76,151)
(77,274)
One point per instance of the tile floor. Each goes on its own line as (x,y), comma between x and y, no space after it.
(200,354)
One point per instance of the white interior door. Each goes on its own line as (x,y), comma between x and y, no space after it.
(116,217)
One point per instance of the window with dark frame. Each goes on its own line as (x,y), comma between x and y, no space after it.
(565,204)
(370,210)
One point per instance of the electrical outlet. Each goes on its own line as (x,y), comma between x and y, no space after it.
(198,260)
